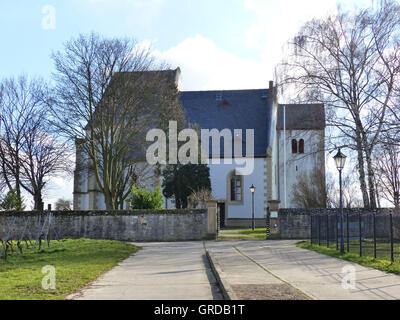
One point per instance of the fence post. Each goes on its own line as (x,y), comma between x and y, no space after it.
(319,229)
(327,230)
(359,228)
(348,232)
(391,238)
(337,232)
(374,223)
(311,231)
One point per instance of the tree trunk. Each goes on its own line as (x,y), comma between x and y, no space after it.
(371,181)
(37,198)
(108,201)
(396,198)
(361,171)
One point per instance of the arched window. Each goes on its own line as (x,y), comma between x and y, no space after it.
(236,187)
(294,146)
(301,146)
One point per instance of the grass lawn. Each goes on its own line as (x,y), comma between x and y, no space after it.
(382,262)
(76,262)
(259,233)
(242,234)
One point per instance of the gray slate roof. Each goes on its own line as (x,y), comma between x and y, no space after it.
(246,109)
(302,117)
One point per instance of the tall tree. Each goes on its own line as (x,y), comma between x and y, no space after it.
(349,62)
(387,168)
(180,181)
(107,96)
(29,155)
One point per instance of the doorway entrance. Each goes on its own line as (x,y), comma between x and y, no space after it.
(221,214)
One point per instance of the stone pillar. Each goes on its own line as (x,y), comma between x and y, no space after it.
(212,209)
(273,205)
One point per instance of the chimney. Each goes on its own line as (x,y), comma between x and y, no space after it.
(273,91)
(178,78)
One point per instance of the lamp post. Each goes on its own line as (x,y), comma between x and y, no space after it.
(340,160)
(252,190)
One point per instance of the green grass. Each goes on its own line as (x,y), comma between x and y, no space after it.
(77,263)
(242,234)
(382,262)
(259,233)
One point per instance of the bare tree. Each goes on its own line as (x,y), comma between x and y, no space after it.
(387,168)
(63,204)
(18,99)
(29,156)
(199,199)
(107,97)
(310,191)
(351,196)
(349,62)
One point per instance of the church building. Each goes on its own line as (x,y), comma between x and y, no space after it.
(288,144)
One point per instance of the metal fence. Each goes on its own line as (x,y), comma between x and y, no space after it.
(366,234)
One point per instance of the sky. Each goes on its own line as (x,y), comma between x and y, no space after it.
(218,44)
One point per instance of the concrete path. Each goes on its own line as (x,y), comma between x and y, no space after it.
(266,270)
(160,271)
(280,265)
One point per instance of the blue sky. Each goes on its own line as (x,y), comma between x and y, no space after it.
(164,23)
(244,32)
(219,44)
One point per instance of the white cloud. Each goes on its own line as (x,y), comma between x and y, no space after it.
(277,22)
(206,67)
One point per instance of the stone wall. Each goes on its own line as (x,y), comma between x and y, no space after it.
(142,225)
(296,223)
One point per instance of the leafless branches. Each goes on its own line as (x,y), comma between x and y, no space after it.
(107,96)
(310,190)
(387,169)
(350,62)
(29,155)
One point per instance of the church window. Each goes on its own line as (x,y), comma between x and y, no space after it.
(236,188)
(294,146)
(301,146)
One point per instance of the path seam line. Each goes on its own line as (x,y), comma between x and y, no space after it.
(272,274)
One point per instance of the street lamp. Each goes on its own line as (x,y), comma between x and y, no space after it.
(252,190)
(340,160)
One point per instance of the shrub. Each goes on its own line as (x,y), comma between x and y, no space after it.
(180,181)
(199,199)
(63,205)
(142,198)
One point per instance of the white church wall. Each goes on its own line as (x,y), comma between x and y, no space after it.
(81,185)
(84,202)
(297,164)
(219,179)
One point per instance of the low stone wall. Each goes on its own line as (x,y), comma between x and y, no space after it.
(165,225)
(296,223)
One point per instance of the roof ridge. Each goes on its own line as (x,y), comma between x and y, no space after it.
(229,90)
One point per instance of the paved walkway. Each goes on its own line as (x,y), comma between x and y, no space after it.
(313,275)
(160,271)
(264,270)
